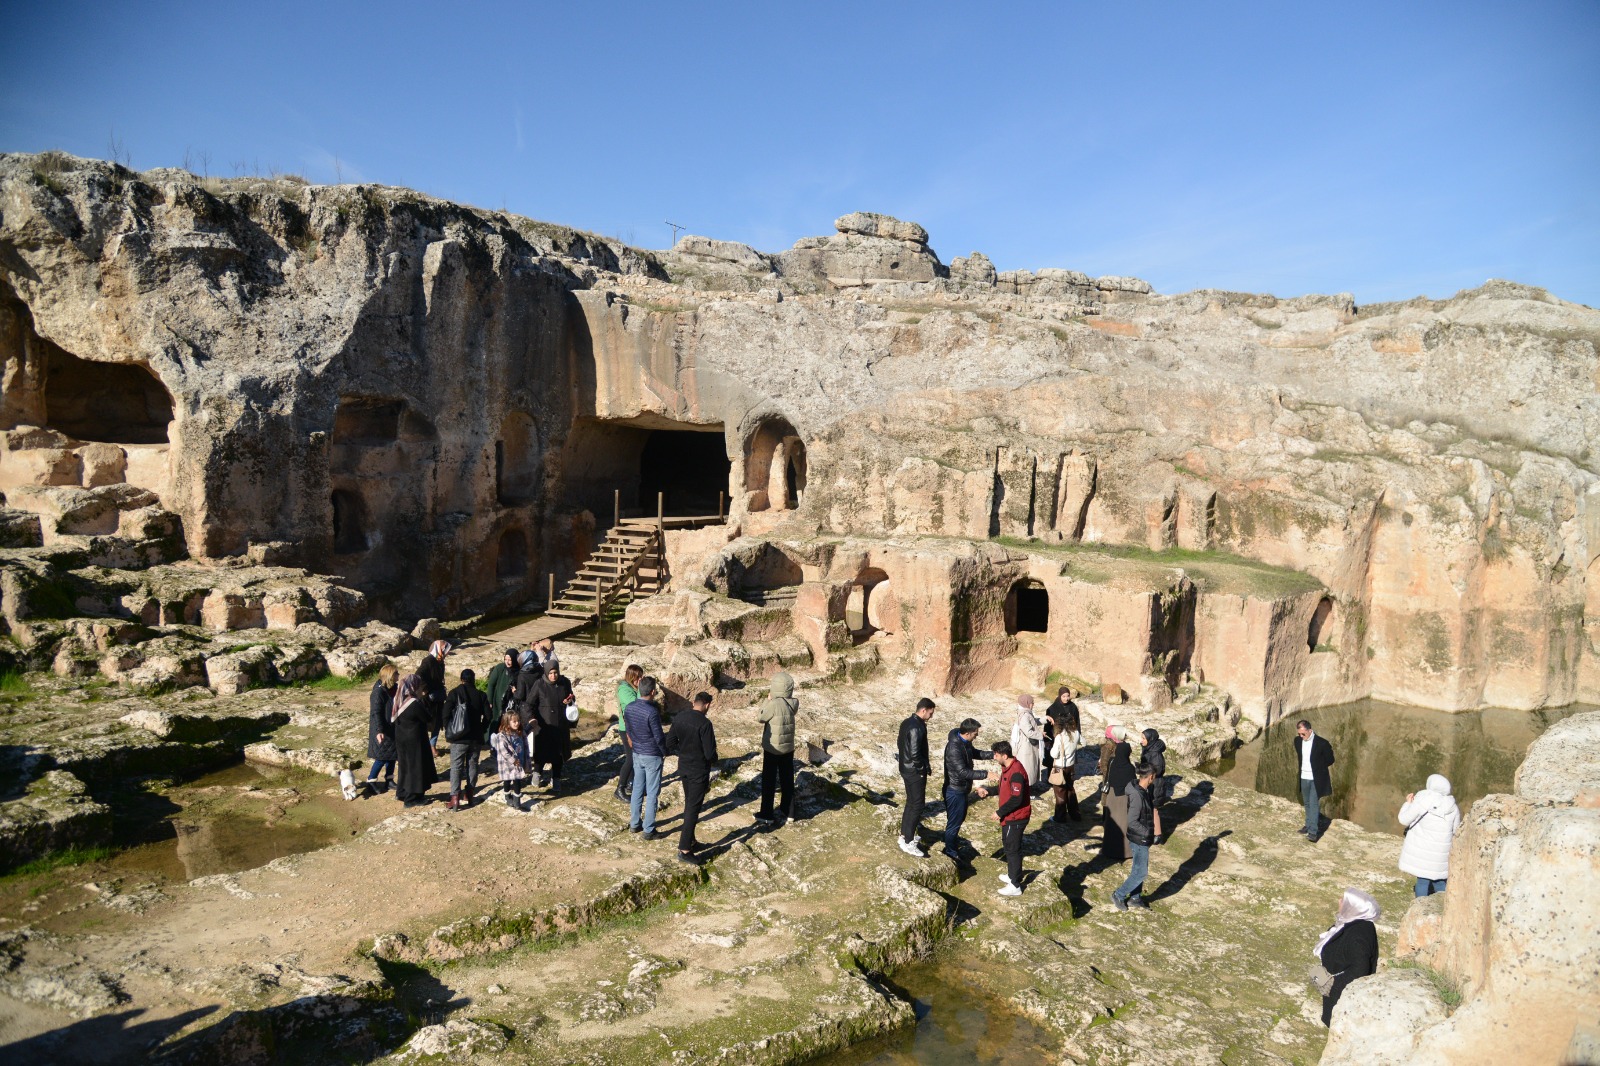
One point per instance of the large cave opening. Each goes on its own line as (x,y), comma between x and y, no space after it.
(611,464)
(115,403)
(689,468)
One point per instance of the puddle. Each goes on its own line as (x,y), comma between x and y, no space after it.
(955,1024)
(1384,750)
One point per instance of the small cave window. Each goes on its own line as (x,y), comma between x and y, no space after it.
(1319,632)
(1028,608)
(116,403)
(775,466)
(349,523)
(512,559)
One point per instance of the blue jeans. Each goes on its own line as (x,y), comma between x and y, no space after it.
(1427,887)
(646,790)
(955,812)
(1134,885)
(1308,792)
(384,765)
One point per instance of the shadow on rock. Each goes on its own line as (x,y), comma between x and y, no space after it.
(106,1039)
(1204,855)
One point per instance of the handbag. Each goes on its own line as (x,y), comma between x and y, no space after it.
(1320,978)
(1057,776)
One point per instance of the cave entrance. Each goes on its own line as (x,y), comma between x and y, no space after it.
(1318,633)
(349,523)
(511,562)
(516,460)
(775,466)
(115,403)
(690,467)
(869,605)
(1027,608)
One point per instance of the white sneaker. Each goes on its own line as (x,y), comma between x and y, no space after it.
(1005,878)
(1010,890)
(911,849)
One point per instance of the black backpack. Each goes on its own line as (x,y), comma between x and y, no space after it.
(458,722)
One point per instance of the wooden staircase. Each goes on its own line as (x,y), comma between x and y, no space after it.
(628,565)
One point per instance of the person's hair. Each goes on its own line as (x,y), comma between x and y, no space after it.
(969,725)
(647,687)
(703,698)
(507,720)
(924,704)
(1303,722)
(468,677)
(1144,770)
(632,674)
(1069,717)
(1003,747)
(388,675)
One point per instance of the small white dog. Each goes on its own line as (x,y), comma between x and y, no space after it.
(347,784)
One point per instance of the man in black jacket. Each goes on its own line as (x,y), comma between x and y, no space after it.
(912,754)
(1314,755)
(959,776)
(694,742)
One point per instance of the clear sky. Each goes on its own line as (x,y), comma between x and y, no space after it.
(1386,149)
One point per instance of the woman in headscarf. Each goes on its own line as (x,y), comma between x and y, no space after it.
(553,743)
(627,692)
(380,734)
(1431,818)
(1116,764)
(1027,739)
(1155,753)
(502,676)
(1349,950)
(412,720)
(431,671)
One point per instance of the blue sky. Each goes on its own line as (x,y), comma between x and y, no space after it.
(1388,150)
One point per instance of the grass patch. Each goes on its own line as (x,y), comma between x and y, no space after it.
(334,683)
(1213,570)
(59,859)
(1448,988)
(14,683)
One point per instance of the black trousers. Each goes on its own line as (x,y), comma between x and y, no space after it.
(777,774)
(1011,840)
(916,796)
(625,776)
(694,797)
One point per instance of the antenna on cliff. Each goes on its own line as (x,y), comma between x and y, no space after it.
(675,229)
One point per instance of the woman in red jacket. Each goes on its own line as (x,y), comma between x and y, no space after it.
(1016,806)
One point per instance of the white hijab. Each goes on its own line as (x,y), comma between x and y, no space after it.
(1356,906)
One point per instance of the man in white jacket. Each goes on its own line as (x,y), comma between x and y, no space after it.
(1431,818)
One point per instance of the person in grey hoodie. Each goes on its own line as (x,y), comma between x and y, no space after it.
(777,750)
(1431,818)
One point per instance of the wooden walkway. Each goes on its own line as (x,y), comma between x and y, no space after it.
(546,625)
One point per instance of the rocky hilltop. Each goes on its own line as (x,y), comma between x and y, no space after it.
(438,406)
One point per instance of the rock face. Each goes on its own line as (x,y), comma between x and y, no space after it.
(1520,928)
(444,405)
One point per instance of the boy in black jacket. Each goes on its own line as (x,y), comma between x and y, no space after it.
(1144,825)
(694,742)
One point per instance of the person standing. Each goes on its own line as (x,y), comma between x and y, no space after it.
(627,692)
(959,777)
(694,741)
(1015,806)
(511,758)
(502,676)
(777,716)
(412,722)
(1155,753)
(1063,757)
(1116,766)
(1431,818)
(649,751)
(466,719)
(912,755)
(431,671)
(1349,949)
(380,733)
(1144,826)
(552,704)
(1027,737)
(1315,755)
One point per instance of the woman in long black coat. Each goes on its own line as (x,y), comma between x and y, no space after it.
(1349,950)
(413,720)
(1118,771)
(431,671)
(553,744)
(380,733)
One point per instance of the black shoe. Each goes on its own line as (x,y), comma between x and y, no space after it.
(1303,831)
(764,819)
(1312,838)
(623,796)
(684,856)
(1120,904)
(1138,903)
(654,834)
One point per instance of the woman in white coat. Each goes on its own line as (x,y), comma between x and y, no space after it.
(1431,818)
(1027,739)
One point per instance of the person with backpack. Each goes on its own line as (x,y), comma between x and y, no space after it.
(777,716)
(466,718)
(1144,826)
(511,758)
(1015,806)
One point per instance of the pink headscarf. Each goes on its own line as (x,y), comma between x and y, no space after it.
(439,649)
(409,689)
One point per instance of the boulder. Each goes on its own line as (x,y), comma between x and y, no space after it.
(19,529)
(741,255)
(1378,1017)
(974,269)
(55,813)
(870,224)
(1117,283)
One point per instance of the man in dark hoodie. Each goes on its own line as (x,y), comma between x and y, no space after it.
(777,750)
(694,742)
(912,755)
(959,776)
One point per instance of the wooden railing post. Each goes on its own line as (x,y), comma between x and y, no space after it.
(550,600)
(661,511)
(599,610)
(721,496)
(616,507)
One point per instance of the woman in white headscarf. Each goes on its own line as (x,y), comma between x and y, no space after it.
(1431,818)
(1349,949)
(1027,739)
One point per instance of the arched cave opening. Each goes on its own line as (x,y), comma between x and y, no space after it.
(117,403)
(1319,630)
(1027,608)
(511,560)
(349,523)
(775,466)
(367,420)
(516,460)
(869,606)
(772,575)
(691,468)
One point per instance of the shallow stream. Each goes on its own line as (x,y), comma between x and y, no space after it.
(1384,750)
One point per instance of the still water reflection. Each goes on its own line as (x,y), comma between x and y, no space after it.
(954,1025)
(1384,750)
